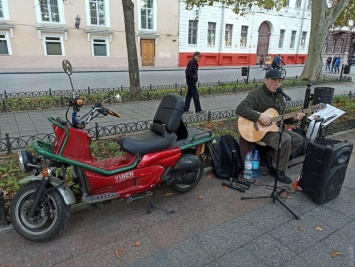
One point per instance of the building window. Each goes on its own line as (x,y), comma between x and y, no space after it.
(53,45)
(309,5)
(281,38)
(303,40)
(341,46)
(5,48)
(298,3)
(228,35)
(1,8)
(147,14)
(97,12)
(49,10)
(243,36)
(100,46)
(325,46)
(334,45)
(192,32)
(211,34)
(4,10)
(293,38)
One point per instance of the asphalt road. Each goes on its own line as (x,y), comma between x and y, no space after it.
(41,81)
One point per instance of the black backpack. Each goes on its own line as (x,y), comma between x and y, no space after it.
(222,157)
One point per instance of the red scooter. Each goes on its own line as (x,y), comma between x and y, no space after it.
(41,208)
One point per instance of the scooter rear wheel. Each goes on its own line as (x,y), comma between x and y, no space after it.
(183,188)
(51,216)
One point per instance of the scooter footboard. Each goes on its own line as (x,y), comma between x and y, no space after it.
(195,137)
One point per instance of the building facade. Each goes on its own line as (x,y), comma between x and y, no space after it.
(226,39)
(41,33)
(341,42)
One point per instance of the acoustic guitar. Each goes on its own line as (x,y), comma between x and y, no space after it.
(254,131)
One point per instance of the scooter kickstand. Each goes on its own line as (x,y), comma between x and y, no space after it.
(153,205)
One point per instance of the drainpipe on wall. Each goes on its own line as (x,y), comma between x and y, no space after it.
(221,39)
(300,35)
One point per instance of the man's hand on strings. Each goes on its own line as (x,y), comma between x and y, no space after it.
(299,116)
(264,120)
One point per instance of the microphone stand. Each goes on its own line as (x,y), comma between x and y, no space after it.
(275,195)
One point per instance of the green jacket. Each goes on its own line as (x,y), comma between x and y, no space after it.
(260,100)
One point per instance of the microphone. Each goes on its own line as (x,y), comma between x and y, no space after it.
(280,91)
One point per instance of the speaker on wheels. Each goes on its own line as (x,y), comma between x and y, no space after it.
(324,169)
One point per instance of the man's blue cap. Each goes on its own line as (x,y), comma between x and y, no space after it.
(273,74)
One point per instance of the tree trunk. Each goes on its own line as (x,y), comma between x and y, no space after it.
(322,19)
(133,69)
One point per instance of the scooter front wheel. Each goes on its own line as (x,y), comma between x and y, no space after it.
(183,188)
(50,218)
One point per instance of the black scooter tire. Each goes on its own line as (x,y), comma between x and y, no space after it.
(40,228)
(183,188)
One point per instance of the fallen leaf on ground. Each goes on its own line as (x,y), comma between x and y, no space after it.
(167,194)
(210,175)
(117,253)
(4,175)
(225,187)
(318,228)
(137,244)
(201,197)
(336,253)
(300,228)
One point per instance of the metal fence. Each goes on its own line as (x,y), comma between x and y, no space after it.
(8,144)
(56,99)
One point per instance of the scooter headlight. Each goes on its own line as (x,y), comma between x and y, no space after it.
(25,159)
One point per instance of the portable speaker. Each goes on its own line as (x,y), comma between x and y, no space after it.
(324,169)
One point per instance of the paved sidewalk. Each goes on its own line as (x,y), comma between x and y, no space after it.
(211,226)
(29,123)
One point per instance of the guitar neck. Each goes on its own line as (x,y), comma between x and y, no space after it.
(290,115)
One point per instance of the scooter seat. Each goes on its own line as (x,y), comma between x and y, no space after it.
(148,142)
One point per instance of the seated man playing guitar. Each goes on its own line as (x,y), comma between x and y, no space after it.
(254,109)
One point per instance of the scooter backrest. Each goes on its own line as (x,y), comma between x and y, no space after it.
(170,112)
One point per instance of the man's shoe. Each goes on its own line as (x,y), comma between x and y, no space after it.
(284,178)
(188,112)
(201,111)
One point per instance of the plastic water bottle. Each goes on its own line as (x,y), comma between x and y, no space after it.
(248,166)
(255,163)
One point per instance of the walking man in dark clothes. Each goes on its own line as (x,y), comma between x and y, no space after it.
(191,74)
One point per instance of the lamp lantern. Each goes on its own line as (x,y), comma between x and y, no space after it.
(77,21)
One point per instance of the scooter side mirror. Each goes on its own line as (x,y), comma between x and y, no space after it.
(118,98)
(67,67)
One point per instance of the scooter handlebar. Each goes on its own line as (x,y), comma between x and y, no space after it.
(106,111)
(114,113)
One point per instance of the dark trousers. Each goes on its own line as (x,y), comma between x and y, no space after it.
(332,67)
(291,141)
(192,93)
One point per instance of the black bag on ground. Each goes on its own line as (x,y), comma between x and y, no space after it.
(222,157)
(182,132)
